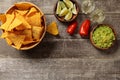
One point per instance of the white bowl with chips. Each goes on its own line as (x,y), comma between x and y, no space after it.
(31,26)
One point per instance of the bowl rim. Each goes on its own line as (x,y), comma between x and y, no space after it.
(75,15)
(45,27)
(91,39)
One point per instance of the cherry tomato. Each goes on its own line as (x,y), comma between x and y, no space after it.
(84,28)
(71,28)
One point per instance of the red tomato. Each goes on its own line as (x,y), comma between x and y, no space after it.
(71,28)
(84,28)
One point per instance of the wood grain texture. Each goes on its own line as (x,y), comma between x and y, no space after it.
(51,69)
(63,57)
(64,48)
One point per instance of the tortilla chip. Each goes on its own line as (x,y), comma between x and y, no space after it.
(28,35)
(16,32)
(23,6)
(20,27)
(35,20)
(9,19)
(52,28)
(14,24)
(32,11)
(4,35)
(17,40)
(25,23)
(2,18)
(22,12)
(9,42)
(37,32)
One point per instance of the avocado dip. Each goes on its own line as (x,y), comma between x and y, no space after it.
(103,36)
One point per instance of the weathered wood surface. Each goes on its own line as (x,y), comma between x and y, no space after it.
(64,57)
(59,69)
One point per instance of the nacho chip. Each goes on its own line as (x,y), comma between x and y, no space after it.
(9,42)
(4,35)
(23,6)
(52,28)
(25,23)
(35,20)
(37,32)
(9,19)
(17,40)
(32,11)
(28,35)
(2,18)
(16,32)
(14,24)
(22,12)
(20,27)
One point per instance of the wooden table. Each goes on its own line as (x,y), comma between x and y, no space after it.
(65,57)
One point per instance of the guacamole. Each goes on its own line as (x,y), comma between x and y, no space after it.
(103,36)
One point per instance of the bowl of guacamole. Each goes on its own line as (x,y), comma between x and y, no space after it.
(103,36)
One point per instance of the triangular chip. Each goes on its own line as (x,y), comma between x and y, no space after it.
(2,18)
(25,23)
(16,32)
(53,28)
(23,6)
(28,35)
(4,35)
(37,32)
(22,12)
(17,40)
(9,19)
(14,24)
(32,11)
(34,20)
(8,41)
(20,27)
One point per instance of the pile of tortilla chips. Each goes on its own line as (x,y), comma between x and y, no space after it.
(22,25)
